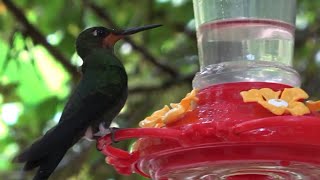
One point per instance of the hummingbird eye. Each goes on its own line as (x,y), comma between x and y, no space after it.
(99,33)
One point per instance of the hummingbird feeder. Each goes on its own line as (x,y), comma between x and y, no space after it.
(246,118)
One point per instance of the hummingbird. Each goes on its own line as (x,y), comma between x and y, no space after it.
(97,99)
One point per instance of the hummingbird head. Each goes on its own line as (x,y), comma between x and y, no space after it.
(101,37)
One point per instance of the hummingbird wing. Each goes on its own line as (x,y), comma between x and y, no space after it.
(102,90)
(104,77)
(103,102)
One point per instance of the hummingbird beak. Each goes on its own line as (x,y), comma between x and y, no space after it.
(114,36)
(137,29)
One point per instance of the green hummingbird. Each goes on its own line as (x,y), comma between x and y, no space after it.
(95,102)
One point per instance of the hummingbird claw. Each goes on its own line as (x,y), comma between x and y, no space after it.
(101,142)
(105,131)
(102,131)
(112,131)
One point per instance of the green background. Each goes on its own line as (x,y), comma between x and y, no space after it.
(39,68)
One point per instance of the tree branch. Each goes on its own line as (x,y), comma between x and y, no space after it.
(143,51)
(39,38)
(164,85)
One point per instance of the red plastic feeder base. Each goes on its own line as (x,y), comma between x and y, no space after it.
(235,161)
(228,139)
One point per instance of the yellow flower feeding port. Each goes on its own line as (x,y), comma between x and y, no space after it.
(288,102)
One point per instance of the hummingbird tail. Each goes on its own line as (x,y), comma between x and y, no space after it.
(46,164)
(49,164)
(46,152)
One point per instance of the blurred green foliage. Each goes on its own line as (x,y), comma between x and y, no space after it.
(34,84)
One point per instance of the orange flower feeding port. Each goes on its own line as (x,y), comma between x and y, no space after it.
(245,119)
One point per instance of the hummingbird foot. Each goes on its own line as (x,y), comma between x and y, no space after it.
(89,134)
(112,131)
(105,131)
